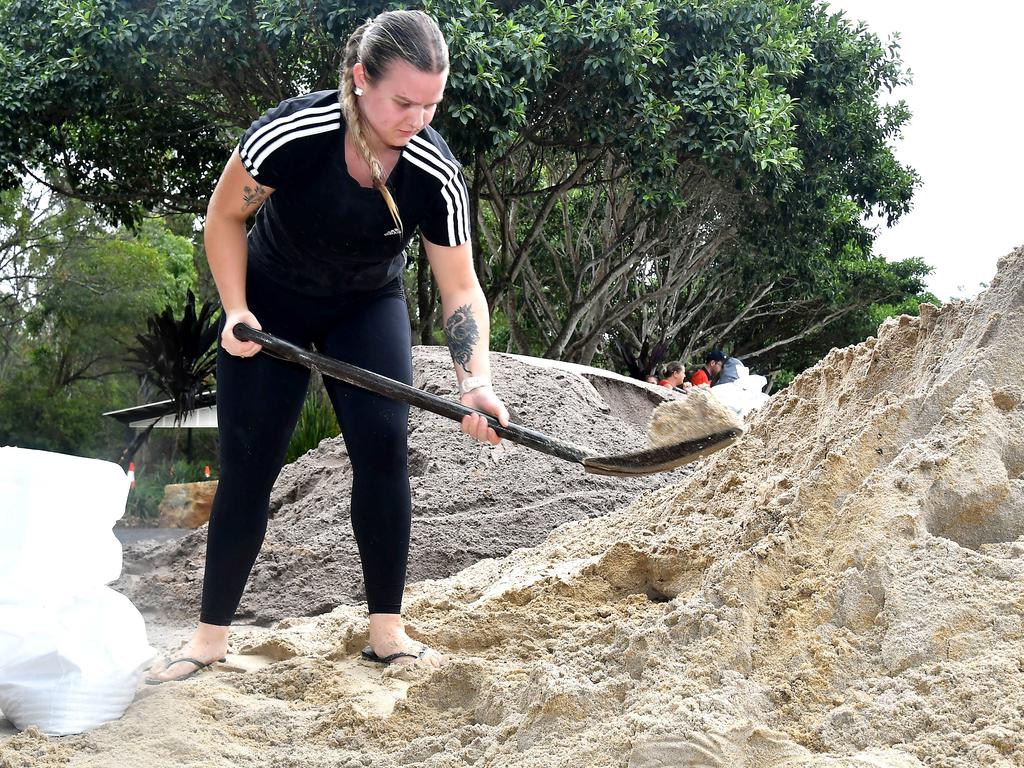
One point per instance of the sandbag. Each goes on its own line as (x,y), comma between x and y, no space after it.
(744,394)
(70,666)
(57,510)
(72,650)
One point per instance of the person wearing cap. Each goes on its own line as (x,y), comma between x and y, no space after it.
(706,375)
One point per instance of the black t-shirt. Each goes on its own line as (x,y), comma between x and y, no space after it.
(322,233)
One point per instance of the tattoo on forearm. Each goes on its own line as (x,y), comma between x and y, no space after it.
(461,332)
(254,197)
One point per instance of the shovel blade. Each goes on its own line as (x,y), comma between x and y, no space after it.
(652,460)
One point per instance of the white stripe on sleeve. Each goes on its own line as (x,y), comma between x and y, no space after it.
(289,137)
(453,190)
(277,132)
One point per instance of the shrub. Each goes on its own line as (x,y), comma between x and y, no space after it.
(316,422)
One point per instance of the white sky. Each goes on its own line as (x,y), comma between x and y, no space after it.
(965,137)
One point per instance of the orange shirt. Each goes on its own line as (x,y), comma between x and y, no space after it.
(700,377)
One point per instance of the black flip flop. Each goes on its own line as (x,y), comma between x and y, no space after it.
(369,655)
(200,666)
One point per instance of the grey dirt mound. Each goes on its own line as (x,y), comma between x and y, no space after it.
(470,501)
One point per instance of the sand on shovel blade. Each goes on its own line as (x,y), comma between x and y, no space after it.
(692,416)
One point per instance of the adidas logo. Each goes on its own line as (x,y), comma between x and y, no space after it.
(395,231)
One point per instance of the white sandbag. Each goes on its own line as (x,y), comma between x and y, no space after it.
(57,514)
(71,650)
(743,395)
(72,665)
(753,383)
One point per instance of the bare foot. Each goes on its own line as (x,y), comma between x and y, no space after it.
(387,636)
(209,643)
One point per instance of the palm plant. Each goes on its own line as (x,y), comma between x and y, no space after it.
(177,358)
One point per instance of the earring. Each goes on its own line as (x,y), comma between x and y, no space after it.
(358,91)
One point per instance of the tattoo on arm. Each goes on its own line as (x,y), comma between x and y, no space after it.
(461,332)
(254,197)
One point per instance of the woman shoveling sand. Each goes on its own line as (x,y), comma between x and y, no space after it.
(348,301)
(342,180)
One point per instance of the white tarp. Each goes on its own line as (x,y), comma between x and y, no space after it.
(744,393)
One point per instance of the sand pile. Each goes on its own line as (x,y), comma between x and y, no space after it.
(843,587)
(470,501)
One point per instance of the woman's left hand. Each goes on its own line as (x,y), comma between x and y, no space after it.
(475,425)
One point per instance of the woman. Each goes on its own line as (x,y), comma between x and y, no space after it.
(341,179)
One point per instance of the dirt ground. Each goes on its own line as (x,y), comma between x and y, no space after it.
(842,587)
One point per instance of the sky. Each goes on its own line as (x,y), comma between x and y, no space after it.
(965,137)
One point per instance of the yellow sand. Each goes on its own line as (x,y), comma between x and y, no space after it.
(844,587)
(696,414)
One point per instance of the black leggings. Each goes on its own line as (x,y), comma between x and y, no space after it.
(258,403)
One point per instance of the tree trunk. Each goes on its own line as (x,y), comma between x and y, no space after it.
(128,454)
(424,297)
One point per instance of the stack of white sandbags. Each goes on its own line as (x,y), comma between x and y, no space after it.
(72,650)
(738,389)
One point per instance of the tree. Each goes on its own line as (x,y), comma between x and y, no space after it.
(133,106)
(685,164)
(639,170)
(81,289)
(177,358)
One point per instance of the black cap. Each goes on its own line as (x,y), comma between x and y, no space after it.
(716,356)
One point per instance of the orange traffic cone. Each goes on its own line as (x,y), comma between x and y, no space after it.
(131,474)
(206,471)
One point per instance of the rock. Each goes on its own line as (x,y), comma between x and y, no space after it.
(187,505)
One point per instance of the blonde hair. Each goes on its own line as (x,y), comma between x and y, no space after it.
(410,36)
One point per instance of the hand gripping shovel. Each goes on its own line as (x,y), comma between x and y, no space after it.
(644,462)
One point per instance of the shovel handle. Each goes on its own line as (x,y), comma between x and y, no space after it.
(397,390)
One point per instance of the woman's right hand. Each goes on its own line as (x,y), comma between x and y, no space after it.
(235,346)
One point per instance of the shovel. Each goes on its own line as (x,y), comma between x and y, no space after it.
(643,462)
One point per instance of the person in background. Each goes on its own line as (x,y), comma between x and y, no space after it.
(675,376)
(706,375)
(651,379)
(732,370)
